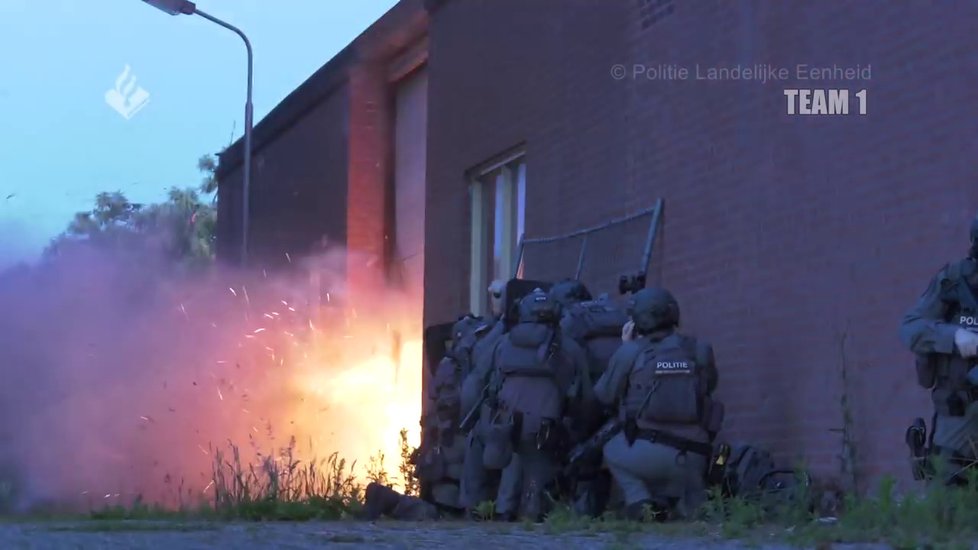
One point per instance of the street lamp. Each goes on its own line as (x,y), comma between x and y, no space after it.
(177,7)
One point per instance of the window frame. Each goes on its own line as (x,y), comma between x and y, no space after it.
(504,179)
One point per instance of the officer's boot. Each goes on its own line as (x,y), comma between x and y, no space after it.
(532,505)
(379,500)
(651,510)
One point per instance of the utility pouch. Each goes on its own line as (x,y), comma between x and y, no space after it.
(498,440)
(926,366)
(956,405)
(630,429)
(947,402)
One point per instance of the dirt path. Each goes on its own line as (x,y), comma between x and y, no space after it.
(352,535)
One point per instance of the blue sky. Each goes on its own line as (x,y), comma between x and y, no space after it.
(61,143)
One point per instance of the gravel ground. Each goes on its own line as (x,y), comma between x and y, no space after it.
(346,534)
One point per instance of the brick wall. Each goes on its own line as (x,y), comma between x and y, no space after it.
(299,188)
(782,234)
(370,168)
(506,72)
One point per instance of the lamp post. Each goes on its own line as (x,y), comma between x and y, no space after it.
(178,7)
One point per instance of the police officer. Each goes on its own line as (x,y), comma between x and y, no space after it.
(941,330)
(596,326)
(439,459)
(661,382)
(538,376)
(497,301)
(477,482)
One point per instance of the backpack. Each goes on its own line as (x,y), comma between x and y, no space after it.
(669,382)
(521,368)
(596,326)
(446,392)
(752,475)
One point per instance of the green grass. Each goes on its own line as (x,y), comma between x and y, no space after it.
(275,488)
(937,517)
(282,488)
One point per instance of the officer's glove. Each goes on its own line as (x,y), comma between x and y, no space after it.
(966,343)
(628,332)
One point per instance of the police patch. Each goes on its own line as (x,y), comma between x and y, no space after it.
(670,367)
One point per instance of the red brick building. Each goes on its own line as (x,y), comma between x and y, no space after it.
(793,243)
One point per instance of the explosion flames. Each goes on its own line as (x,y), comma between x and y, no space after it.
(120,378)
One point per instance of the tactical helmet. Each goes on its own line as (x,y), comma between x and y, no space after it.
(539,307)
(653,309)
(570,291)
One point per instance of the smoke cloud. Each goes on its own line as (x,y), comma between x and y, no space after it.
(121,375)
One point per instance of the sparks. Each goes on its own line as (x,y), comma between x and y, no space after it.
(219,394)
(184,310)
(287,257)
(245,291)
(208,487)
(233,292)
(269,316)
(259,330)
(203,450)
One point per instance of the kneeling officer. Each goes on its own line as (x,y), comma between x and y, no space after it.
(662,383)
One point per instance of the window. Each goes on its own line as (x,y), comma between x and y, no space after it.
(498,220)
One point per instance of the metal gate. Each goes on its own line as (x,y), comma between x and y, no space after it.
(609,244)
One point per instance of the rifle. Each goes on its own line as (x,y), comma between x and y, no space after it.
(593,445)
(473,415)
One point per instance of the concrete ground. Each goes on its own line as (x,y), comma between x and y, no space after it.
(343,534)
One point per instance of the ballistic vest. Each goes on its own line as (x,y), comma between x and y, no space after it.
(666,385)
(952,392)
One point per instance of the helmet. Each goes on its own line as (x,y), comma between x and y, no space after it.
(653,309)
(538,307)
(570,291)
